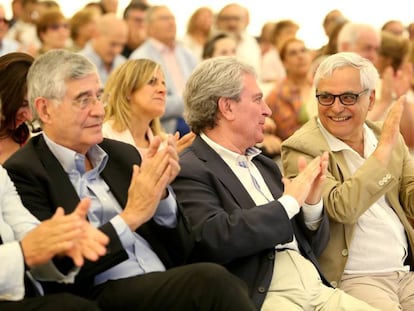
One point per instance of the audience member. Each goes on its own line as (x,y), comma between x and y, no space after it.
(109,6)
(220,44)
(394,60)
(135,96)
(395,27)
(368,193)
(365,40)
(235,18)
(15,110)
(133,205)
(17,9)
(83,27)
(332,18)
(134,16)
(105,47)
(409,108)
(52,30)
(362,39)
(330,48)
(265,37)
(95,6)
(199,28)
(393,54)
(7,45)
(290,98)
(410,30)
(27,248)
(271,66)
(177,62)
(224,44)
(284,30)
(264,231)
(46,5)
(24,29)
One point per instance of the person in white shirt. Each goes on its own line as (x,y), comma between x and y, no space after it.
(369,191)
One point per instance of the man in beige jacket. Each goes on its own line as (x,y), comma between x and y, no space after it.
(369,192)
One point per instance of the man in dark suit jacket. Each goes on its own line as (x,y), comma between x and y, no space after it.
(133,205)
(264,231)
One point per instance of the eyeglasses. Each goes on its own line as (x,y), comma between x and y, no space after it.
(86,101)
(346,99)
(57,26)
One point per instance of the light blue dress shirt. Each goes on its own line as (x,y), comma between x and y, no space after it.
(105,208)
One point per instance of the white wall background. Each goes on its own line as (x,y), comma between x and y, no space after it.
(307,13)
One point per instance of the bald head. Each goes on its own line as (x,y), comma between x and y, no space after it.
(110,38)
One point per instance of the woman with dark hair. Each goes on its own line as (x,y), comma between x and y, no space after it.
(14,107)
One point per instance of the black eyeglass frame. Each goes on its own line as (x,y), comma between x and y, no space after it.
(352,96)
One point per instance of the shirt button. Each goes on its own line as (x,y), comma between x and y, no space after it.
(344,252)
(261,289)
(271,256)
(334,284)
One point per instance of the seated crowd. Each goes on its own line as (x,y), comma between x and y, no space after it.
(222,171)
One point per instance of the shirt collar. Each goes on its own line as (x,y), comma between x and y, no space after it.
(231,156)
(71,160)
(335,144)
(161,47)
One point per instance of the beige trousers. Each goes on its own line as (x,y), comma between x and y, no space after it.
(296,285)
(387,291)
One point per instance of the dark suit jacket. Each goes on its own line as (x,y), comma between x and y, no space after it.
(43,185)
(229,228)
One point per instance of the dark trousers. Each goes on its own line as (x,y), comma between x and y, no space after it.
(55,302)
(201,287)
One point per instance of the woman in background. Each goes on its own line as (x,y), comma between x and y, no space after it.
(52,30)
(289,99)
(14,107)
(220,44)
(135,95)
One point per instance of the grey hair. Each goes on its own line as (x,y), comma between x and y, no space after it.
(213,78)
(49,73)
(368,74)
(351,32)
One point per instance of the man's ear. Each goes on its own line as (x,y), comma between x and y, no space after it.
(42,108)
(371,100)
(225,106)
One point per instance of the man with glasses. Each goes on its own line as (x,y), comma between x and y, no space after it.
(369,191)
(131,201)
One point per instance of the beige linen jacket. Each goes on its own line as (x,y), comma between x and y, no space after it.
(346,196)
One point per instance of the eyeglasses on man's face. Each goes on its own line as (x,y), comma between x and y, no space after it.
(87,101)
(346,99)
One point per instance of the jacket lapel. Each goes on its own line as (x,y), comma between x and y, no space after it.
(66,195)
(220,169)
